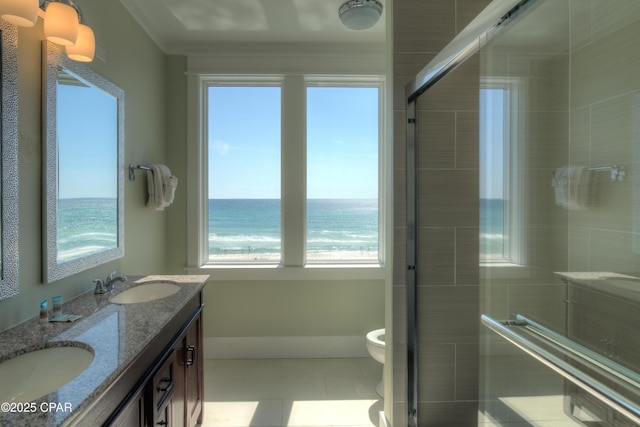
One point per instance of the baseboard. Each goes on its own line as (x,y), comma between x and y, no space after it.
(284,347)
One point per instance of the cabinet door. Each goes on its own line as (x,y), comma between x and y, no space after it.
(194,373)
(133,415)
(177,402)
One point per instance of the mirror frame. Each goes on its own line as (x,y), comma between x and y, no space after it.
(9,283)
(53,58)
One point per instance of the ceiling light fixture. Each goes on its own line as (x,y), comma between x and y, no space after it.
(360,14)
(63,24)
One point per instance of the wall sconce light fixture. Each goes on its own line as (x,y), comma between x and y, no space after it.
(63,24)
(23,13)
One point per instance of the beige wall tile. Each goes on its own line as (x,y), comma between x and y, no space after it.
(613,251)
(437,372)
(423,26)
(547,141)
(578,249)
(467,140)
(467,261)
(448,198)
(614,130)
(580,136)
(436,256)
(448,314)
(605,68)
(467,375)
(449,414)
(436,139)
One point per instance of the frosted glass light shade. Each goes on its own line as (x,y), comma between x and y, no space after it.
(360,14)
(85,48)
(61,24)
(23,13)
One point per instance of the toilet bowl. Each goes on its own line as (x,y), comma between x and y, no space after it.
(375,346)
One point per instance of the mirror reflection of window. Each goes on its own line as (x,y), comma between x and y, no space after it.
(502,201)
(87,141)
(493,215)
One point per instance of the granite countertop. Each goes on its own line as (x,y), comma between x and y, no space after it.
(115,333)
(616,284)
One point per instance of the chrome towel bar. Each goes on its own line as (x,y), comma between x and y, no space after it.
(604,393)
(132,170)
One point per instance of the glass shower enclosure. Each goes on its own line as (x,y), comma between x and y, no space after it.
(557,130)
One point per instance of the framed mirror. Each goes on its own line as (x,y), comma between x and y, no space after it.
(9,284)
(83,167)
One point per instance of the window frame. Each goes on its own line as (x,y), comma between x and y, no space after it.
(515,249)
(351,82)
(292,264)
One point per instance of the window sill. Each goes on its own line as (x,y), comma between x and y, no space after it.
(505,270)
(248,272)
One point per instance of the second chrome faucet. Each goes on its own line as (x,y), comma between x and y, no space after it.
(107,285)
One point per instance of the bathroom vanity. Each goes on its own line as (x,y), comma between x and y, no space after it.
(147,358)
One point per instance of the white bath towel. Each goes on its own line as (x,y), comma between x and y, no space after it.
(161,186)
(572,185)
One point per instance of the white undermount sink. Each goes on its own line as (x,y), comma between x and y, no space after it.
(148,291)
(32,375)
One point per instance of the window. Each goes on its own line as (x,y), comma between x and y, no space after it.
(342,173)
(292,170)
(244,173)
(502,210)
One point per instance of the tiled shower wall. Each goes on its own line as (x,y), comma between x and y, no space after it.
(447,217)
(605,125)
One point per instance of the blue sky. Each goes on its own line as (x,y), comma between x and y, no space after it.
(87,142)
(492,143)
(245,134)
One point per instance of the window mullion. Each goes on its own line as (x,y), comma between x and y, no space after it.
(294,171)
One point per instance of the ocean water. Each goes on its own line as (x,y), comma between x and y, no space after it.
(250,229)
(492,233)
(86,226)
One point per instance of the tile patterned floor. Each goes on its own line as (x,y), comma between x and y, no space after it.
(292,392)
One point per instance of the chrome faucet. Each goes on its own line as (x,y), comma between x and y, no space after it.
(107,285)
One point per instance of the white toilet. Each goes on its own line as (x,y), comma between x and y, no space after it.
(375,345)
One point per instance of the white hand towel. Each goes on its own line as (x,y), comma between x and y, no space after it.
(161,186)
(572,185)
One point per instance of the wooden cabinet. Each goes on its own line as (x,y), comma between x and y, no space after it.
(194,387)
(187,407)
(171,391)
(133,415)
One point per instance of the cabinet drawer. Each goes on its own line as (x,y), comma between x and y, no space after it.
(163,384)
(164,417)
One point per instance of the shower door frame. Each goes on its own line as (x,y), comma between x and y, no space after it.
(424,80)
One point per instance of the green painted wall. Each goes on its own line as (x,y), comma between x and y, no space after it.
(137,65)
(155,242)
(293,308)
